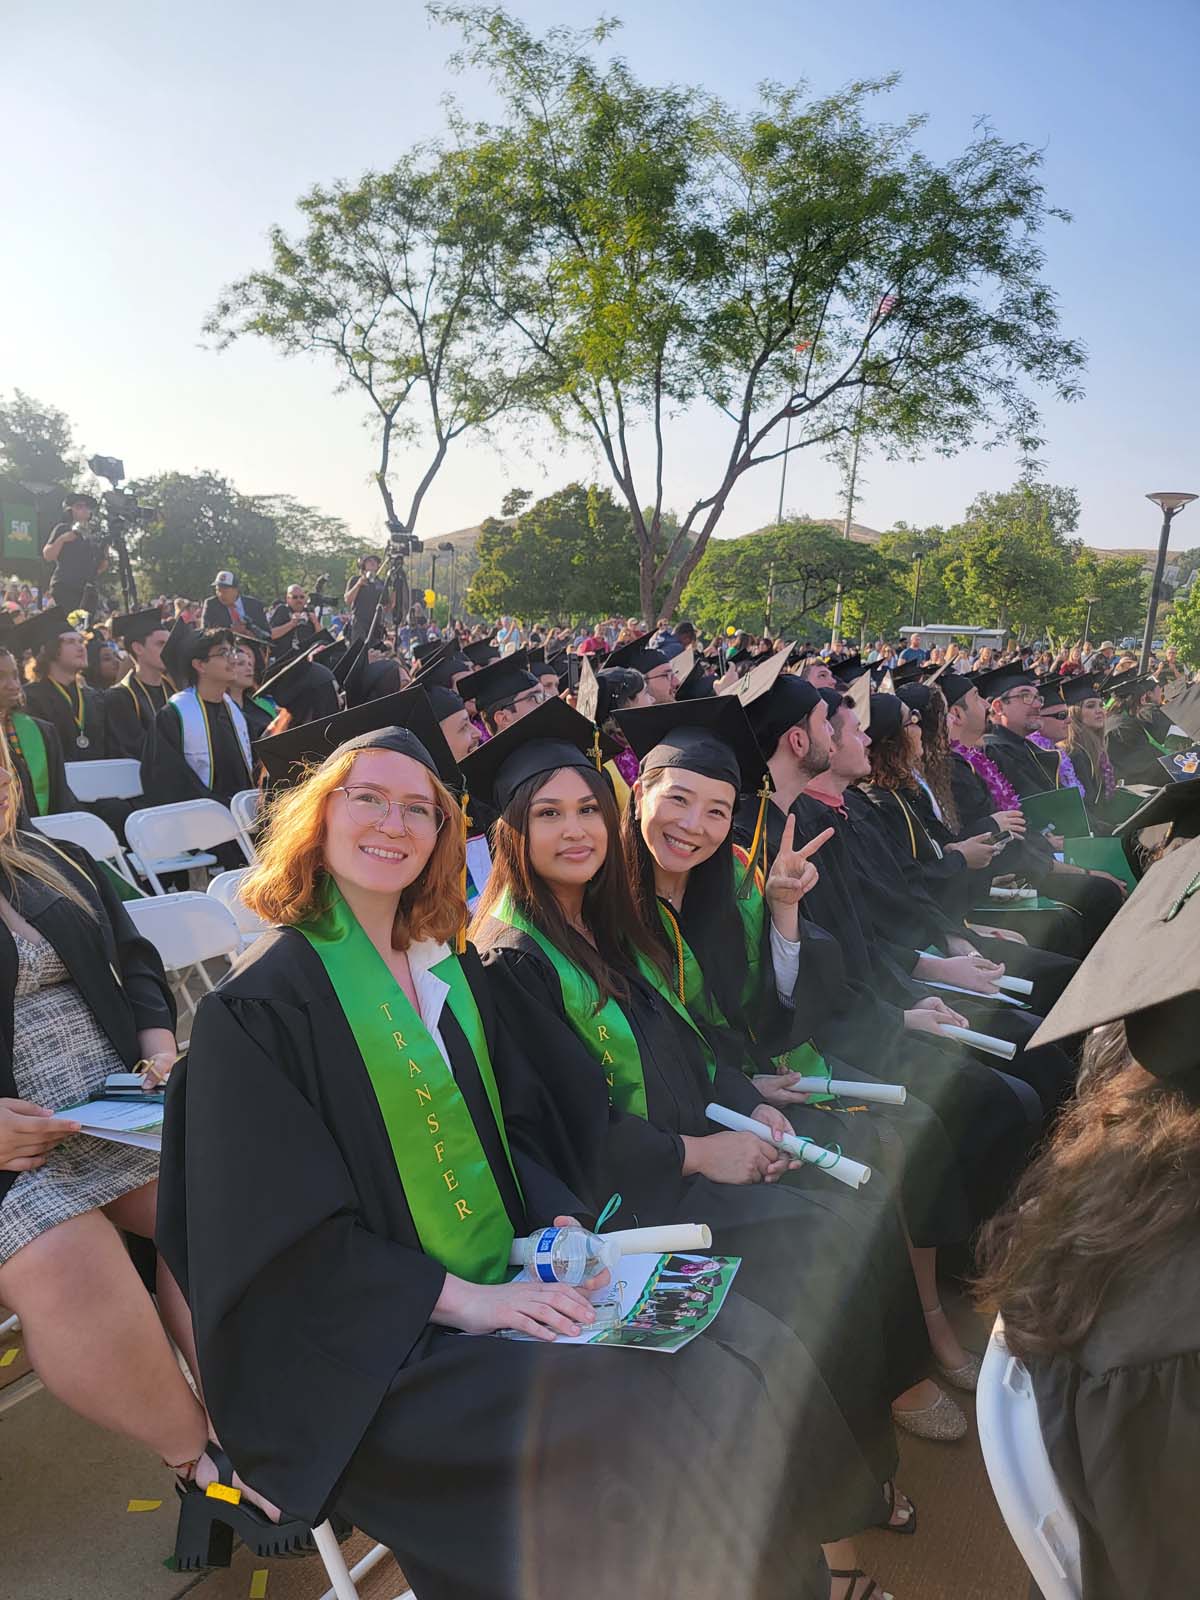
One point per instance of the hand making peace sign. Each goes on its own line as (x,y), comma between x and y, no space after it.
(791,877)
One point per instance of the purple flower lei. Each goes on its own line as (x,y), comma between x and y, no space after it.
(1004,796)
(1068,778)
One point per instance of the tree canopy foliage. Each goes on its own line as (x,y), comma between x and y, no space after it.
(37,448)
(795,263)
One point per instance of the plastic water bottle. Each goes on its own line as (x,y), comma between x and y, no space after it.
(573,1255)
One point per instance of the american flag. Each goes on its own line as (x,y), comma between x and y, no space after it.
(886,305)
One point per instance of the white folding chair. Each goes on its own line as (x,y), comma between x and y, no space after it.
(179,837)
(104,780)
(187,930)
(245,807)
(1041,1523)
(345,1578)
(227,888)
(90,833)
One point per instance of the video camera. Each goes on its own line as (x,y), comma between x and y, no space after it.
(121,507)
(400,543)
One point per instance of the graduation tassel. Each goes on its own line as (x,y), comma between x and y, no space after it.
(758,844)
(595,751)
(460,940)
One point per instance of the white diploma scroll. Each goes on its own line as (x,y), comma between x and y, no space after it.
(981,1041)
(679,1238)
(884,1094)
(998,893)
(842,1168)
(1015,985)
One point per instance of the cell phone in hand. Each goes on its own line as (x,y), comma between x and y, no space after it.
(998,839)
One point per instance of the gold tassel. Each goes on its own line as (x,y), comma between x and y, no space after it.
(758,843)
(595,751)
(460,942)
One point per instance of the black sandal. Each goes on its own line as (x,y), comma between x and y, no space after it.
(209,1518)
(853,1592)
(889,1494)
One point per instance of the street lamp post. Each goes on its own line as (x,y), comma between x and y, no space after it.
(1170,504)
(1091,600)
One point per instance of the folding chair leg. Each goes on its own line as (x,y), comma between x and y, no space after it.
(9,1324)
(343,1579)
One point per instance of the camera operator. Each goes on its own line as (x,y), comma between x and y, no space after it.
(78,553)
(365,594)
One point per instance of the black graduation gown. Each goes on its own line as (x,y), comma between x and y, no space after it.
(48,704)
(983,1119)
(1120,1416)
(944,873)
(117,972)
(1134,758)
(60,798)
(824,1260)
(166,776)
(1092,902)
(129,709)
(495,1470)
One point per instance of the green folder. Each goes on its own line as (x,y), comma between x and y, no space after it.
(1060,810)
(1120,806)
(1008,907)
(1100,855)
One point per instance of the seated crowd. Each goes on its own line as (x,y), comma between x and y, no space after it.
(707,875)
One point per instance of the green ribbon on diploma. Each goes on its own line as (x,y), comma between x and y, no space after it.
(33,754)
(456,1206)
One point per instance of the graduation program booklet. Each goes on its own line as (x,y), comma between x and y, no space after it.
(665,1301)
(120,1121)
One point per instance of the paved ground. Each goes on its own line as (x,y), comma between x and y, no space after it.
(67,1533)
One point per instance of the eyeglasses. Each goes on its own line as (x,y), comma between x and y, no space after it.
(372,808)
(1027,697)
(530,698)
(1055,716)
(225,650)
(660,672)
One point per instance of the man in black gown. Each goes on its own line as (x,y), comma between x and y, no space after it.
(56,696)
(177,766)
(132,705)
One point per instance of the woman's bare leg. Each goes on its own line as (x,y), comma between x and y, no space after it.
(95,1339)
(135,1213)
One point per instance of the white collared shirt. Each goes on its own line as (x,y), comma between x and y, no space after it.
(431,990)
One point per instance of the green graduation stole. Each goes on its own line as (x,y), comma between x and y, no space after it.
(605,1031)
(805,1058)
(33,754)
(265,703)
(459,1213)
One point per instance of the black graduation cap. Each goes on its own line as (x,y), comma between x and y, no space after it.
(916,695)
(887,716)
(848,670)
(404,722)
(444,701)
(711,737)
(907,672)
(440,666)
(1080,687)
(135,626)
(955,686)
(1127,686)
(481,652)
(637,655)
(1051,690)
(324,637)
(698,685)
(551,736)
(501,680)
(1000,681)
(39,629)
(788,701)
(342,667)
(429,647)
(329,655)
(1175,803)
(177,652)
(1143,969)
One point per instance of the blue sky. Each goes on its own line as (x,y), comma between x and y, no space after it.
(158,143)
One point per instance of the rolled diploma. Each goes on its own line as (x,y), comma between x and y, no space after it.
(976,994)
(1011,894)
(675,1239)
(1015,985)
(982,1041)
(816,1155)
(887,1094)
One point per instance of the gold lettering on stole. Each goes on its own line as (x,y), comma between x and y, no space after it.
(606,1060)
(423,1095)
(603,1031)
(398,1040)
(437,1150)
(449,1179)
(387,1010)
(414,1070)
(463,1210)
(432,1123)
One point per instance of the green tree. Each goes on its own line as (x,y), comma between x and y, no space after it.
(36,445)
(312,543)
(1183,625)
(793,265)
(385,285)
(564,556)
(787,575)
(1118,586)
(204,524)
(1011,556)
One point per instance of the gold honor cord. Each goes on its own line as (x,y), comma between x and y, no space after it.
(758,843)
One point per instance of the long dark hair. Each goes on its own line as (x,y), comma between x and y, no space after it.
(1116,1188)
(891,760)
(714,926)
(936,757)
(609,910)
